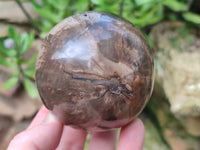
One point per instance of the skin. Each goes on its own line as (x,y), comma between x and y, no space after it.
(47,133)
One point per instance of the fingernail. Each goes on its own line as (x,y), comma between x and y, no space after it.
(50,118)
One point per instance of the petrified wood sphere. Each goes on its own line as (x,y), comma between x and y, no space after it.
(95,71)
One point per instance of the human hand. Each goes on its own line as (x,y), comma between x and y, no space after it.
(47,133)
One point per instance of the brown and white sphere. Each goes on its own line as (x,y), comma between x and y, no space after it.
(95,71)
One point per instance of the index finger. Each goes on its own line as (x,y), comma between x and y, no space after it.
(39,117)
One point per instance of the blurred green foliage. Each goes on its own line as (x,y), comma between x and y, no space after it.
(12,50)
(142,13)
(52,12)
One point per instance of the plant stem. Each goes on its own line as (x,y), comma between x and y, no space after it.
(90,5)
(24,10)
(189,3)
(27,15)
(121,8)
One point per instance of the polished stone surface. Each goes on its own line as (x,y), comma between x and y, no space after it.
(95,71)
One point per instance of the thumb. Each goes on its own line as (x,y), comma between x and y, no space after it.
(45,136)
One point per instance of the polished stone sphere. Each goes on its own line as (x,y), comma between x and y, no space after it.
(95,71)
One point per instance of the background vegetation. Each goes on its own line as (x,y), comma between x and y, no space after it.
(142,13)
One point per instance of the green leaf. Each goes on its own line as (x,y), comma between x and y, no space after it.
(97,2)
(34,3)
(176,5)
(32,60)
(10,52)
(145,9)
(31,37)
(20,61)
(192,17)
(6,52)
(145,2)
(151,17)
(26,41)
(46,26)
(172,16)
(13,34)
(10,83)
(60,5)
(80,6)
(108,6)
(4,62)
(30,88)
(2,48)
(30,71)
(48,13)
